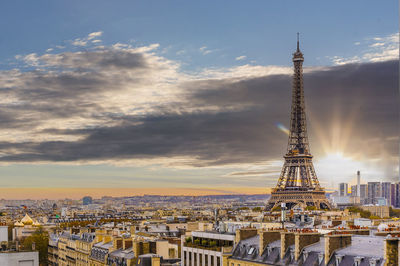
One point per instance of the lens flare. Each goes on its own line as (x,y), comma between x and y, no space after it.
(282,128)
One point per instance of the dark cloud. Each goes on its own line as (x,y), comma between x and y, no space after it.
(99,59)
(241,128)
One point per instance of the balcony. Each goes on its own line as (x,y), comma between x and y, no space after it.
(200,246)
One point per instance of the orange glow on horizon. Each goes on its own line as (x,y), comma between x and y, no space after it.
(78,193)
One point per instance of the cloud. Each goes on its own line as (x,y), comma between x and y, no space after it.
(94,35)
(79,42)
(90,37)
(378,49)
(128,105)
(205,51)
(239,58)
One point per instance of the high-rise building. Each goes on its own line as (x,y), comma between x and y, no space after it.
(358,183)
(343,189)
(395,195)
(374,192)
(298,184)
(353,191)
(386,191)
(363,193)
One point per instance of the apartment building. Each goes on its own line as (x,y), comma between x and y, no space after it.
(206,248)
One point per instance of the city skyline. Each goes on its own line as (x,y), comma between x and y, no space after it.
(116,103)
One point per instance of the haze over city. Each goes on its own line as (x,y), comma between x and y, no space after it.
(157,97)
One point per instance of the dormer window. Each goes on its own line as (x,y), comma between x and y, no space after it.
(269,250)
(373,261)
(357,260)
(292,254)
(320,257)
(251,251)
(305,255)
(338,259)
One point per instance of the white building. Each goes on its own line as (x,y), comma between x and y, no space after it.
(3,233)
(206,248)
(10,258)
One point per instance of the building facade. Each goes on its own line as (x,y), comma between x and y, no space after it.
(206,248)
(343,189)
(374,192)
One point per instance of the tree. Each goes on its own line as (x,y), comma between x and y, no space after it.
(276,209)
(363,213)
(394,212)
(41,239)
(257,209)
(374,217)
(311,208)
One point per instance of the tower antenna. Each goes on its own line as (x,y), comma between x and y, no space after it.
(298,49)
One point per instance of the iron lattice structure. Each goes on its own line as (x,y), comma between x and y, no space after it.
(298,184)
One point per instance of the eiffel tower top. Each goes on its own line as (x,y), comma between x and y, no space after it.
(298,139)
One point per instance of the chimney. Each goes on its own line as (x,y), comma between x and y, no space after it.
(99,238)
(334,242)
(99,235)
(358,185)
(117,242)
(146,247)
(391,250)
(244,233)
(138,248)
(267,237)
(302,240)
(155,261)
(127,243)
(287,239)
(107,238)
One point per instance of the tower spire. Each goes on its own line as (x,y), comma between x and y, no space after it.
(298,46)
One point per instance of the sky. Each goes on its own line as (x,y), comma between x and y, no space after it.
(192,97)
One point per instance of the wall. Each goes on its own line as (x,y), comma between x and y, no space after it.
(19,259)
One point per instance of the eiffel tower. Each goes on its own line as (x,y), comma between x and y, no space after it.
(298,184)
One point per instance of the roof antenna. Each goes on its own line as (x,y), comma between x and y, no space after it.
(298,49)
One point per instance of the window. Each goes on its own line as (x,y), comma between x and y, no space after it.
(200,259)
(218,261)
(251,250)
(206,259)
(184,259)
(212,260)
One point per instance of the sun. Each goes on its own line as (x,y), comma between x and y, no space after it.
(335,167)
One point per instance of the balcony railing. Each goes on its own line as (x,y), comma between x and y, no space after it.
(200,246)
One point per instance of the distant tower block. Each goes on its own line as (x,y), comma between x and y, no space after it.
(298,184)
(358,184)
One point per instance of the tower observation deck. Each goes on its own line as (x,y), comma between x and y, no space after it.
(298,184)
